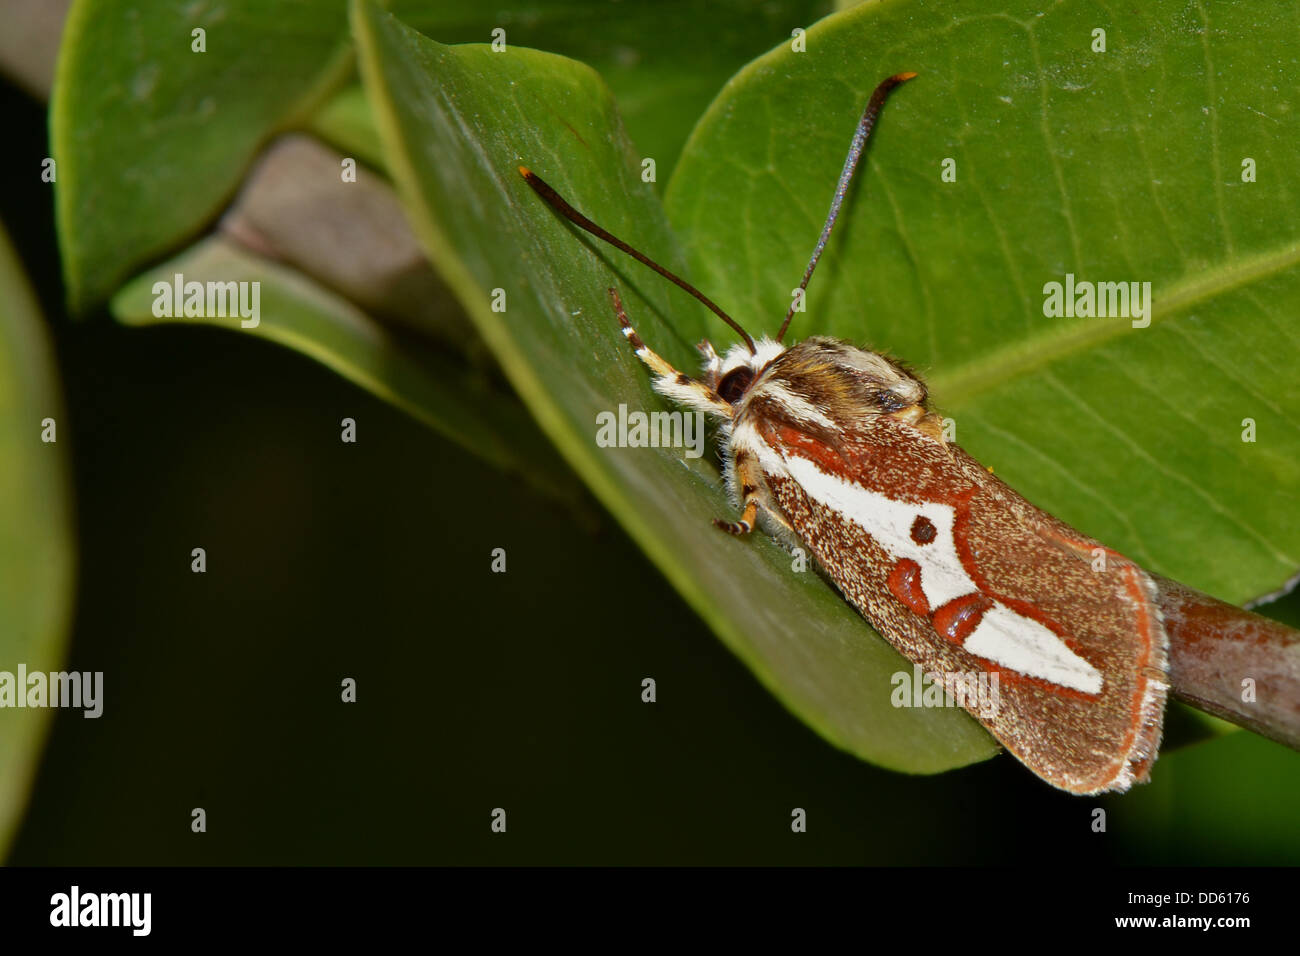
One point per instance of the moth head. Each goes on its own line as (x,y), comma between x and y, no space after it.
(731,376)
(846,383)
(885,382)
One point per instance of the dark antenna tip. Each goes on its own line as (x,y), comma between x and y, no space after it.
(865,126)
(558,203)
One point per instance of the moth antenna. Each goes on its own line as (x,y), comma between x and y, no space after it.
(557,202)
(865,126)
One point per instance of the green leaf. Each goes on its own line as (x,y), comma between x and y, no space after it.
(151,138)
(456,121)
(397,367)
(1117,166)
(36,539)
(664,60)
(1199,788)
(345,121)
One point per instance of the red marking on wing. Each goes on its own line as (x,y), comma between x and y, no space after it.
(961,541)
(960,616)
(905,584)
(1133,583)
(785,439)
(1007,675)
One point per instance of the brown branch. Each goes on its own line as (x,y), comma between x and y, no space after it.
(1215,647)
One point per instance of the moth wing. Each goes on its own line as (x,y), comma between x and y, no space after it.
(1070,627)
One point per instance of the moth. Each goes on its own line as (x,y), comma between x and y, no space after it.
(835,449)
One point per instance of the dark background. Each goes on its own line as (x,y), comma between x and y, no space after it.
(475,690)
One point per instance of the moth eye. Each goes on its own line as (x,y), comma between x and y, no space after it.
(923,531)
(734,383)
(890,401)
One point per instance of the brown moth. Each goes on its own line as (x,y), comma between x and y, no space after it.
(835,449)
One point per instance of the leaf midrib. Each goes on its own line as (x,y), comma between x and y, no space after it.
(961,383)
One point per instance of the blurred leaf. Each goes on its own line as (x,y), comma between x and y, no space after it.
(456,121)
(151,138)
(36,536)
(1227,802)
(664,60)
(348,235)
(398,368)
(1116,166)
(345,122)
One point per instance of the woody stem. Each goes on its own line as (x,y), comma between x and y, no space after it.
(1231,663)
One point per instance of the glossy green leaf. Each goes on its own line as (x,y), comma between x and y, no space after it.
(664,60)
(151,138)
(456,121)
(1123,165)
(37,552)
(397,367)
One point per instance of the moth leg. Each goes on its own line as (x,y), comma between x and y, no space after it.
(668,381)
(746,479)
